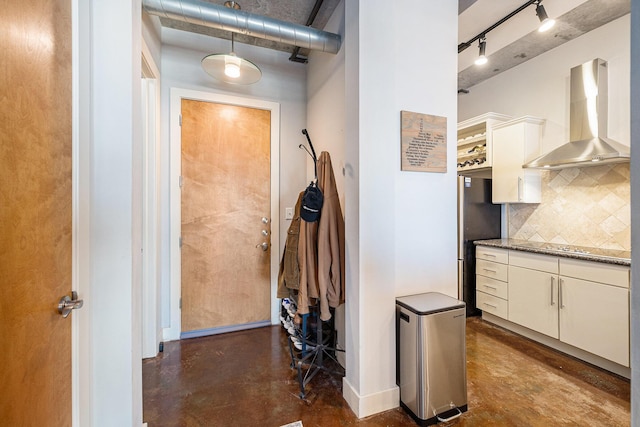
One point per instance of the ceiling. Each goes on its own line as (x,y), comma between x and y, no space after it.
(294,11)
(509,45)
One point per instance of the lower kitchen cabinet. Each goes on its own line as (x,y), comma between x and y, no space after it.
(595,318)
(491,304)
(533,300)
(584,304)
(491,281)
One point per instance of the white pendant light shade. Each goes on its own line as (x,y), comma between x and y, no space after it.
(230,68)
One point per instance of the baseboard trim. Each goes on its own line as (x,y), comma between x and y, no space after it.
(223,329)
(364,406)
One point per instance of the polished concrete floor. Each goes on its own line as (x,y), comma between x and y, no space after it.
(245,379)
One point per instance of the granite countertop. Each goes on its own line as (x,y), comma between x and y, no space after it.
(610,256)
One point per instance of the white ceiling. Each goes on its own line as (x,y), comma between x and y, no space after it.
(510,44)
(517,40)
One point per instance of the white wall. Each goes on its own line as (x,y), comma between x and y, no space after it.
(326,122)
(635,211)
(109,130)
(401,226)
(151,35)
(540,87)
(282,81)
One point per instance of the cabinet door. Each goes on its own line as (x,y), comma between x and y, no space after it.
(595,318)
(533,300)
(515,143)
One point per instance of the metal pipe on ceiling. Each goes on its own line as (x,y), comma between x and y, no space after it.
(295,56)
(215,16)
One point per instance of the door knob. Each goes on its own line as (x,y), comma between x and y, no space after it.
(66,304)
(265,233)
(265,220)
(263,245)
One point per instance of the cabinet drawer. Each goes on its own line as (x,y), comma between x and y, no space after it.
(490,304)
(490,269)
(492,286)
(492,254)
(547,263)
(611,274)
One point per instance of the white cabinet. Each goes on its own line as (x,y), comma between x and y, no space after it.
(594,308)
(475,144)
(491,280)
(533,300)
(581,303)
(595,318)
(515,143)
(533,291)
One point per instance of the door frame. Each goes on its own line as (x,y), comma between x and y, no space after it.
(177,95)
(151,308)
(81,377)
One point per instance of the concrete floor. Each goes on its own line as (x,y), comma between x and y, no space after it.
(245,379)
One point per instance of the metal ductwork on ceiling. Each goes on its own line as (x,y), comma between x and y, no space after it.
(211,15)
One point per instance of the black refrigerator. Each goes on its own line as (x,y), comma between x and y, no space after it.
(478,219)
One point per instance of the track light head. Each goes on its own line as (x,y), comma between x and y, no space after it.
(545,22)
(482,58)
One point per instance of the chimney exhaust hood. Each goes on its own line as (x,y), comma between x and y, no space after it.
(588,110)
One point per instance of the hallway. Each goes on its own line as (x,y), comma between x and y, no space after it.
(244,379)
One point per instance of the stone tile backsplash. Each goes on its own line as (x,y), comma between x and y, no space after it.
(588,206)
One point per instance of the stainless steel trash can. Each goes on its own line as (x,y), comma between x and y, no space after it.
(431,357)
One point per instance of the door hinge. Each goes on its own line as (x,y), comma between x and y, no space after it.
(180,119)
(180,181)
(180,241)
(180,303)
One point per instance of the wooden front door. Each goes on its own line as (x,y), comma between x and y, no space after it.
(225,215)
(35,212)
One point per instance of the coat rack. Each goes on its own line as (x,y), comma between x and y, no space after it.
(312,154)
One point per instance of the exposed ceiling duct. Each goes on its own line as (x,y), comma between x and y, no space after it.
(211,15)
(589,144)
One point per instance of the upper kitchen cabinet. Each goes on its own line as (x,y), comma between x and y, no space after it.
(475,144)
(514,143)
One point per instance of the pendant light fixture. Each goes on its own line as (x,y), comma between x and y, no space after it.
(482,45)
(545,22)
(229,67)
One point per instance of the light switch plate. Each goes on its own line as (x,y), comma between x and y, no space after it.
(288,213)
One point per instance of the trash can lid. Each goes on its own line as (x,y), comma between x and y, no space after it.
(429,303)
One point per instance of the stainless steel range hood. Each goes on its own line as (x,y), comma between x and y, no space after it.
(589,144)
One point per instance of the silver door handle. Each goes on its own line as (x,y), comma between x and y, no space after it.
(66,304)
(263,245)
(560,293)
(489,270)
(265,220)
(552,300)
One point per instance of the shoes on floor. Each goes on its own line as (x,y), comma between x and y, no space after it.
(297,343)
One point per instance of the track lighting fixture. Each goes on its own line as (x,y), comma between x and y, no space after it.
(545,22)
(482,58)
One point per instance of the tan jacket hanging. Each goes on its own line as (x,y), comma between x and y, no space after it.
(321,249)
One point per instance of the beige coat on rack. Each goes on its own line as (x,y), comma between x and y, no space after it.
(321,253)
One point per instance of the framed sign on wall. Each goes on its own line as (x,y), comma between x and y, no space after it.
(423,142)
